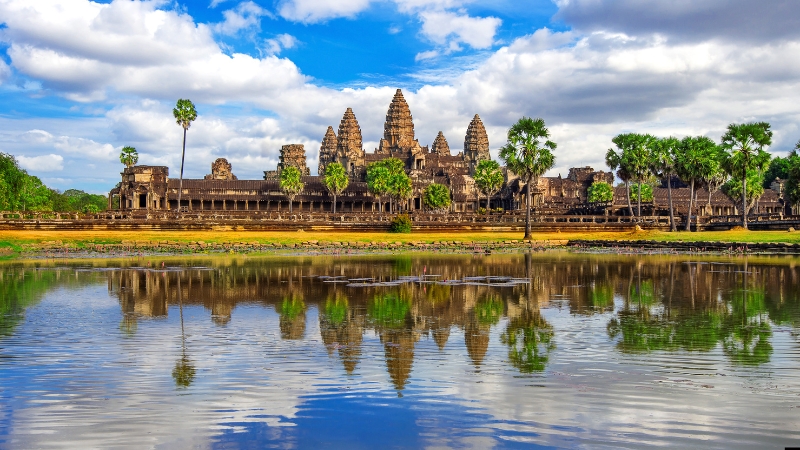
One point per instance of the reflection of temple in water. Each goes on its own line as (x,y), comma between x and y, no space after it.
(646,295)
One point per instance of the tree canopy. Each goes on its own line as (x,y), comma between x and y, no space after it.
(336,180)
(744,146)
(128,156)
(436,196)
(488,177)
(388,177)
(529,154)
(600,192)
(291,184)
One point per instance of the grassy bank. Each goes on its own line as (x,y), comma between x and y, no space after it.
(13,242)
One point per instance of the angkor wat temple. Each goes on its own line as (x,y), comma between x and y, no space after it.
(149,188)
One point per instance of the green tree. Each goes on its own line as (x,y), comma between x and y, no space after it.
(388,177)
(793,178)
(336,180)
(635,155)
(778,168)
(489,179)
(184,113)
(128,156)
(615,163)
(35,196)
(436,196)
(744,145)
(378,181)
(644,191)
(716,176)
(694,160)
(600,192)
(12,178)
(400,187)
(662,164)
(755,187)
(529,154)
(291,184)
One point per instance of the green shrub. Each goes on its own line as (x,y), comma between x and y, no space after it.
(647,192)
(401,224)
(481,210)
(600,191)
(91,209)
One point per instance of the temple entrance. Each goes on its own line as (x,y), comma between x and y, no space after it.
(142,201)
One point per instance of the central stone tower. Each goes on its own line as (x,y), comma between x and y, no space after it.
(398,130)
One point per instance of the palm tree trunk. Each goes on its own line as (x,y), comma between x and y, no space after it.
(639,193)
(291,200)
(672,226)
(689,215)
(628,197)
(744,199)
(180,183)
(334,203)
(528,211)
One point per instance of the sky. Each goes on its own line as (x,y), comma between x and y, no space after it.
(79,79)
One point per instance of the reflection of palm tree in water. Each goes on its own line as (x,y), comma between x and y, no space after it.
(529,336)
(184,371)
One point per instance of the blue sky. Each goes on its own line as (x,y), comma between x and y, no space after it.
(81,79)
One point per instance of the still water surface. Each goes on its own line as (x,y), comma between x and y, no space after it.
(497,351)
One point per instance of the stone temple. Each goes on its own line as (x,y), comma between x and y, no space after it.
(149,188)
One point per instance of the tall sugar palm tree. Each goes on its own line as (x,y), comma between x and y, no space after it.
(185,114)
(529,154)
(614,162)
(635,156)
(744,144)
(336,180)
(694,162)
(663,166)
(128,156)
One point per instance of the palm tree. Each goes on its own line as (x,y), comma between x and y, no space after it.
(185,114)
(291,184)
(694,161)
(663,166)
(635,157)
(128,156)
(744,145)
(529,154)
(489,179)
(614,162)
(336,180)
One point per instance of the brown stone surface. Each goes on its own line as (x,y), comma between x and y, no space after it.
(327,151)
(221,170)
(349,147)
(294,155)
(476,143)
(440,146)
(398,130)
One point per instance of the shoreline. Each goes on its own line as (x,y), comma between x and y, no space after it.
(15,245)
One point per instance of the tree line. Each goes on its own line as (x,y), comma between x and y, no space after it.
(22,192)
(739,165)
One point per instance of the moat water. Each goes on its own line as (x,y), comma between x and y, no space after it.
(404,351)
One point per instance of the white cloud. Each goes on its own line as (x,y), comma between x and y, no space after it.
(314,11)
(280,42)
(448,30)
(43,163)
(246,16)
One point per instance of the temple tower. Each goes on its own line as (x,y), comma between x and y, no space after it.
(440,146)
(327,151)
(399,125)
(293,155)
(476,143)
(349,151)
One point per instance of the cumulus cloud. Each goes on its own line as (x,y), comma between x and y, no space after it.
(90,50)
(314,11)
(449,28)
(280,42)
(42,163)
(246,16)
(734,20)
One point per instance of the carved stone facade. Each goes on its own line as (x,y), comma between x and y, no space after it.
(476,143)
(148,187)
(349,148)
(327,151)
(294,155)
(440,146)
(221,170)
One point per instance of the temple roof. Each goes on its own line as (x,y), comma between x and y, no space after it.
(399,123)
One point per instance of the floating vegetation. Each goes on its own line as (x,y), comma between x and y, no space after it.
(430,279)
